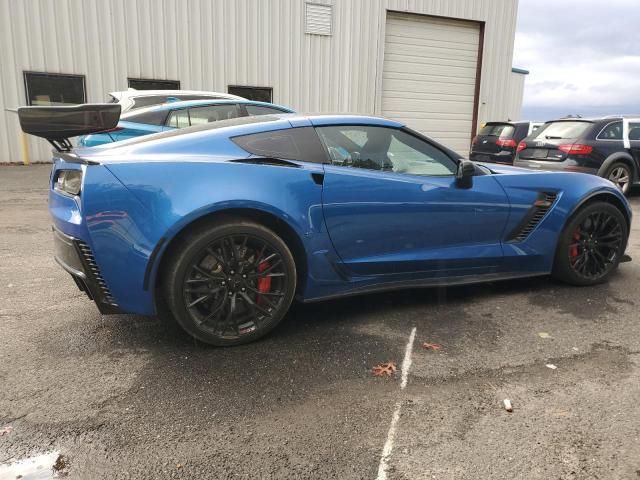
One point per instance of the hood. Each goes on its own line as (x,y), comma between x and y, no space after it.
(508,169)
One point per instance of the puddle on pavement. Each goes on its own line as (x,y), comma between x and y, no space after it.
(37,467)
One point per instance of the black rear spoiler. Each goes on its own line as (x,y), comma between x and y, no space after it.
(59,123)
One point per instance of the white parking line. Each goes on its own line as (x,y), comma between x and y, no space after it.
(406,361)
(391,435)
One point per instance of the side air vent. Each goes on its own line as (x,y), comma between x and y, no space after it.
(540,207)
(90,261)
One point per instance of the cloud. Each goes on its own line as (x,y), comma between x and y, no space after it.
(583,57)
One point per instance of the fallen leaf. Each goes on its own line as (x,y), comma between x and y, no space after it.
(432,346)
(61,465)
(551,366)
(384,369)
(544,335)
(5,430)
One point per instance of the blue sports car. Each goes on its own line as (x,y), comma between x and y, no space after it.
(177,114)
(225,223)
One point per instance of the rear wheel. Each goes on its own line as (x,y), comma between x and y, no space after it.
(591,245)
(620,174)
(230,284)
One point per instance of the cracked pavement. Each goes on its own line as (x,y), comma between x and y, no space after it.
(130,397)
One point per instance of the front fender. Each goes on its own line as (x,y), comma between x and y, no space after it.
(573,190)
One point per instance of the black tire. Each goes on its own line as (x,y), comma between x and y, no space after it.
(591,245)
(229,283)
(621,174)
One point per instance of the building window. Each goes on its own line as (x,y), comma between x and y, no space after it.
(258,94)
(318,18)
(150,84)
(54,88)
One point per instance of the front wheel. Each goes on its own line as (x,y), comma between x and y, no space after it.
(230,283)
(591,245)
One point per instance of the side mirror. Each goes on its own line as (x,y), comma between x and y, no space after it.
(465,173)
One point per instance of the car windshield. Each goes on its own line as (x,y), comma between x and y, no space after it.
(497,130)
(562,130)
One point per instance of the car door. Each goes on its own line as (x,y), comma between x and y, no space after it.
(391,206)
(631,135)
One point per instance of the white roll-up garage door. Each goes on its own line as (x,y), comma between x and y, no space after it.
(429,76)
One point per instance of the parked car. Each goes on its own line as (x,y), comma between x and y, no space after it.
(169,116)
(225,223)
(608,147)
(132,99)
(497,141)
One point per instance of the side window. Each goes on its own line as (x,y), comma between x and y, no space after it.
(634,131)
(179,119)
(613,131)
(387,149)
(213,113)
(291,144)
(261,110)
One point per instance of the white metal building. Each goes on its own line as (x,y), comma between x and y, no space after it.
(441,66)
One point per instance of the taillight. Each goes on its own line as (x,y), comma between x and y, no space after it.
(501,142)
(521,146)
(576,149)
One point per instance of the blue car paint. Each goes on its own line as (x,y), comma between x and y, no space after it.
(127,129)
(360,230)
(436,227)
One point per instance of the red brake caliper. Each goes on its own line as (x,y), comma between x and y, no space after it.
(264,283)
(573,249)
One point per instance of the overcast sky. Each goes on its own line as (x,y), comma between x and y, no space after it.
(583,55)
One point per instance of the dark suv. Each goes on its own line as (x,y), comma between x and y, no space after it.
(609,147)
(497,141)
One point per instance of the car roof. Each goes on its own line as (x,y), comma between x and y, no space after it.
(575,119)
(177,105)
(234,127)
(506,122)
(132,92)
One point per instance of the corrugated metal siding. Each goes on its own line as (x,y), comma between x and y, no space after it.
(515,91)
(210,44)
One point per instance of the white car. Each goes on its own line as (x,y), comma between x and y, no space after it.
(131,99)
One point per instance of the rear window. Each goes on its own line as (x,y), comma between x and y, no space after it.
(149,117)
(139,102)
(498,130)
(562,130)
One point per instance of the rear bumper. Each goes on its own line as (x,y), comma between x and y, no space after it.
(75,256)
(568,165)
(503,157)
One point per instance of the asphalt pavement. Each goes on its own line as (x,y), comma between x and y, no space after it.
(121,396)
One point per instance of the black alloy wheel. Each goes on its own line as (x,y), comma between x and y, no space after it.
(231,284)
(591,245)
